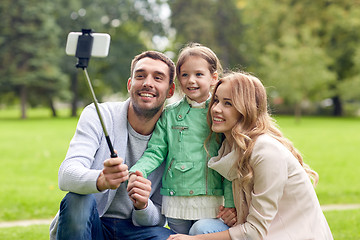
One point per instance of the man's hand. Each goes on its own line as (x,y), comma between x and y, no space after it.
(139,189)
(228,215)
(114,173)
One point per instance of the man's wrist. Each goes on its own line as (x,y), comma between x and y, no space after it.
(100,182)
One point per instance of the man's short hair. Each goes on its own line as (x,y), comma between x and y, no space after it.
(156,56)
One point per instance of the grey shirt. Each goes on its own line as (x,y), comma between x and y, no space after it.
(121,206)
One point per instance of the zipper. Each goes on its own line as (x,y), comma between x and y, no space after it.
(169,168)
(181,129)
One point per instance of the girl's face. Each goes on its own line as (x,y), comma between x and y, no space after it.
(195,78)
(223,113)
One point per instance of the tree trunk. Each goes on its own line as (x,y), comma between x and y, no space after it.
(52,107)
(23,101)
(338,110)
(74,90)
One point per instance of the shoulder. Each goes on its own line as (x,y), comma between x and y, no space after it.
(111,112)
(266,142)
(267,147)
(175,105)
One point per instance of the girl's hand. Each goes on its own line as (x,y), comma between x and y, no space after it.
(139,189)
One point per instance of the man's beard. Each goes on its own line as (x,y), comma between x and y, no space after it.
(146,113)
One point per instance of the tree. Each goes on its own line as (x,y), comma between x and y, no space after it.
(29,51)
(213,23)
(132,26)
(322,33)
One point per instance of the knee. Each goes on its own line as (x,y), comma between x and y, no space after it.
(205,226)
(76,207)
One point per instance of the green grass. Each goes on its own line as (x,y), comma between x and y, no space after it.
(330,147)
(31,153)
(36,232)
(33,149)
(344,225)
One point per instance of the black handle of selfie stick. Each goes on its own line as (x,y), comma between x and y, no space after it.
(83,53)
(112,152)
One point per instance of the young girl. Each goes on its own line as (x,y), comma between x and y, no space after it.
(190,190)
(273,194)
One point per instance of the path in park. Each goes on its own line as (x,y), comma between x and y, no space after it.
(25,223)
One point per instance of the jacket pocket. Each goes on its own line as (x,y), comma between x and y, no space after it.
(184,166)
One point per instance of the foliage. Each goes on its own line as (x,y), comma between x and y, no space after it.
(29,51)
(307,49)
(33,37)
(215,24)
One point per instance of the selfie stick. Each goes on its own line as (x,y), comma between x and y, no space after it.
(83,53)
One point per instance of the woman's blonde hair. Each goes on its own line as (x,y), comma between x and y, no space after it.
(249,98)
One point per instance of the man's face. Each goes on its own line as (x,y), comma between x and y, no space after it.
(149,86)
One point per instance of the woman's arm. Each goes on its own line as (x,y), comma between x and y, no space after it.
(210,236)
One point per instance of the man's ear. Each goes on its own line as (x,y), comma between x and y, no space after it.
(171,90)
(129,84)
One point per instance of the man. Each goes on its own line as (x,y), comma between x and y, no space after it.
(99,205)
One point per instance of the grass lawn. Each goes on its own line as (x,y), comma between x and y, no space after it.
(31,153)
(33,149)
(330,147)
(344,225)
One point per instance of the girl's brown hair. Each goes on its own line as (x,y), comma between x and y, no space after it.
(196,49)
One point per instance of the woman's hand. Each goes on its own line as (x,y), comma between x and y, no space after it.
(228,215)
(182,237)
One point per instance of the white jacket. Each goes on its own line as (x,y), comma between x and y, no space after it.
(281,204)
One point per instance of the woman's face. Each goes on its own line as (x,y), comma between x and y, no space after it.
(223,113)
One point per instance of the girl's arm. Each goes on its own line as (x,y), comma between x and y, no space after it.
(156,150)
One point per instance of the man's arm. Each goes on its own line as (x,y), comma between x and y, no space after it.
(83,169)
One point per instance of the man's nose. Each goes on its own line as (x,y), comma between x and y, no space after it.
(149,81)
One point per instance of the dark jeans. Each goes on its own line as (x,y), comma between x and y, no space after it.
(80,220)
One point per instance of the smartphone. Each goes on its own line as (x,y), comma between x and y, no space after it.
(100,47)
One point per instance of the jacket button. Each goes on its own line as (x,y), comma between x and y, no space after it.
(191,192)
(182,167)
(180,116)
(172,193)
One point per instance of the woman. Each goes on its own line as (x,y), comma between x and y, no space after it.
(273,193)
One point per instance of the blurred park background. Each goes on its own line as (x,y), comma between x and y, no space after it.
(307,54)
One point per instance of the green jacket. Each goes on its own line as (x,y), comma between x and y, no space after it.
(179,138)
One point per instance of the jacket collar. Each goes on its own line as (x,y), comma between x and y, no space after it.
(185,108)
